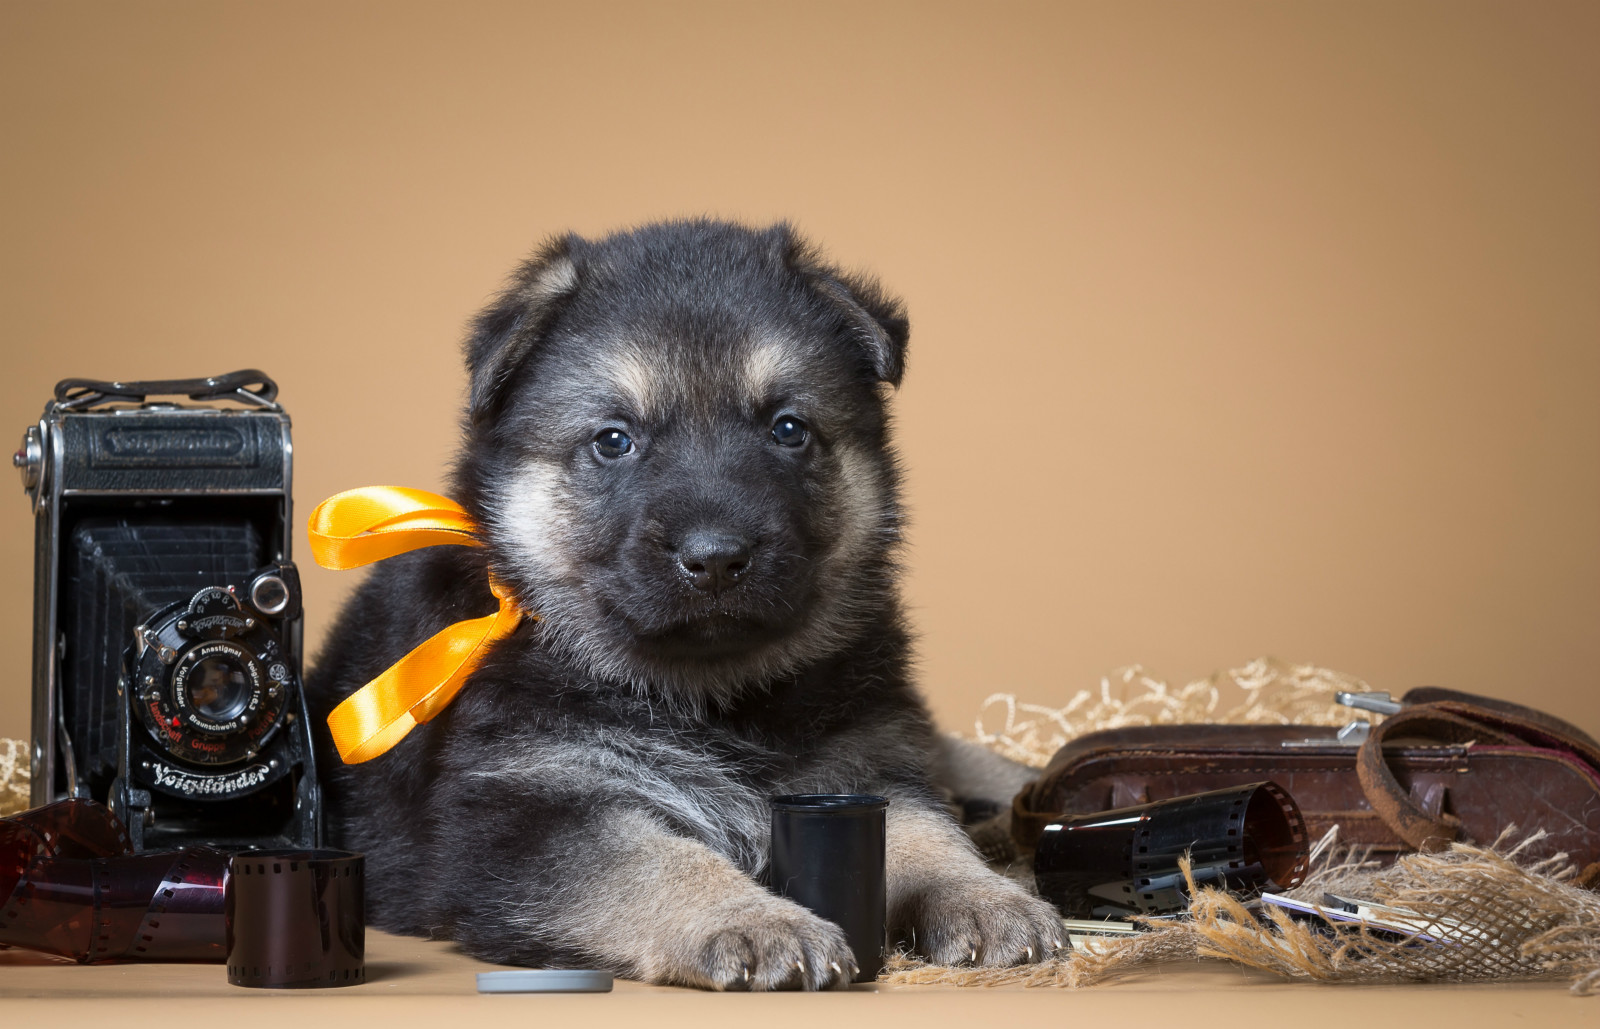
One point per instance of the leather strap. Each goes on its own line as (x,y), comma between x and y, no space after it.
(1525,720)
(1393,803)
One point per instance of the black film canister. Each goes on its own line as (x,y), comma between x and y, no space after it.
(828,855)
(1125,862)
(295,918)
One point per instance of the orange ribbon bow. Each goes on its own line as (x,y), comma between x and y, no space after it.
(364,525)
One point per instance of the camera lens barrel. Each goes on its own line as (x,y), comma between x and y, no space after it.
(212,685)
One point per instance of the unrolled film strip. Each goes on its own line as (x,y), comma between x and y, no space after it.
(74,887)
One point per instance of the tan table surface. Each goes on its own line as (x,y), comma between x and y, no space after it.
(421,983)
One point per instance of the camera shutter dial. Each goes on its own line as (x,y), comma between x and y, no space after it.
(215,613)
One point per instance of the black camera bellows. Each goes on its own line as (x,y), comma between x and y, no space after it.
(118,572)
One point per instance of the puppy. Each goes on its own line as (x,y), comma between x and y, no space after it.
(677,449)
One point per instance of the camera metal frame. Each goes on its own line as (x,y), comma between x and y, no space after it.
(101,442)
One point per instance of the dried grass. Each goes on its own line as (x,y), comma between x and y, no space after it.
(13,777)
(1265,691)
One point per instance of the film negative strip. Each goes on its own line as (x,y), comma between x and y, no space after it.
(1114,864)
(73,886)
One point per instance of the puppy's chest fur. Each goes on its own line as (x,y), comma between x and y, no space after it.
(710,773)
(570,747)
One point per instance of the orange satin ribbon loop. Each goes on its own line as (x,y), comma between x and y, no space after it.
(364,525)
(360,526)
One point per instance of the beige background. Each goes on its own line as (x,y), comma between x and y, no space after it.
(1238,328)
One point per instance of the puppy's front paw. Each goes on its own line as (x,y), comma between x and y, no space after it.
(771,945)
(982,918)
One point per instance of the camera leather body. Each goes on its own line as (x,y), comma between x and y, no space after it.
(1449,766)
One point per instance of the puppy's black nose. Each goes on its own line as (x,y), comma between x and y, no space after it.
(713,560)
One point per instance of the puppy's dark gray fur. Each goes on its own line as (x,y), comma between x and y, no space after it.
(678,446)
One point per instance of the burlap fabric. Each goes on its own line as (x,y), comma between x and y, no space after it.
(1498,920)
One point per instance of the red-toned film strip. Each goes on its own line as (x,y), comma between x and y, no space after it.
(73,886)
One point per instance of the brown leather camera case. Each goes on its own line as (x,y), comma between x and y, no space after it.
(1449,766)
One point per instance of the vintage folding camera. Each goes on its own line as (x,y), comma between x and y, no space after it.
(167,629)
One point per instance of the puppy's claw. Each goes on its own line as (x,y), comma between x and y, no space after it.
(984,920)
(771,945)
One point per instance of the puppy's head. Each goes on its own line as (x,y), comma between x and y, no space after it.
(677,443)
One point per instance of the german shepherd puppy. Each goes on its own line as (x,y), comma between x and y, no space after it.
(677,448)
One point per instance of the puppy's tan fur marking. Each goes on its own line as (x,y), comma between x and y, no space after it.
(535,519)
(864,522)
(560,276)
(767,364)
(636,379)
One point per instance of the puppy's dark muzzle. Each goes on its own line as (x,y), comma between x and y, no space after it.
(714,561)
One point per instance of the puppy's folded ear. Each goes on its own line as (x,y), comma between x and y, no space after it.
(877,321)
(507,331)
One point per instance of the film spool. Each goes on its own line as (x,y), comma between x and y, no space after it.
(1114,864)
(295,919)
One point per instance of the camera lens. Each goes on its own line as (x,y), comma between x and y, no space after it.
(219,688)
(217,705)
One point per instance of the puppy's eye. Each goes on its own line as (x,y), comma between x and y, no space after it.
(612,443)
(789,432)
